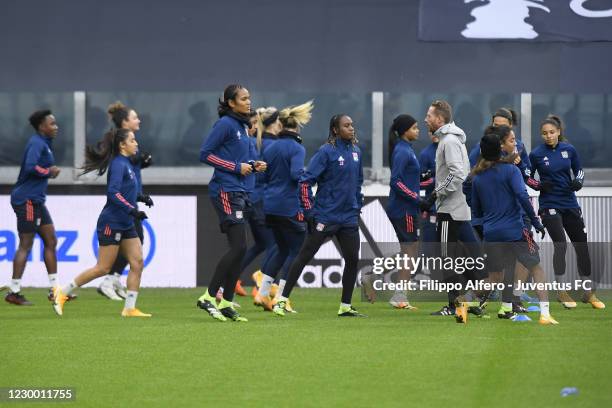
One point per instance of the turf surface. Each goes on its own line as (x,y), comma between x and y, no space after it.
(181,357)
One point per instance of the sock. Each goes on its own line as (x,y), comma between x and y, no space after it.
(15,285)
(66,290)
(281,286)
(266,284)
(518,292)
(281,298)
(345,306)
(544,309)
(53,281)
(130,300)
(507,305)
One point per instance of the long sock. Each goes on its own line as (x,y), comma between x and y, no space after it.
(130,300)
(15,285)
(266,284)
(544,309)
(66,290)
(281,286)
(53,281)
(345,305)
(507,305)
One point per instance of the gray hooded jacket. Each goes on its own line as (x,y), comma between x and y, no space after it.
(452,169)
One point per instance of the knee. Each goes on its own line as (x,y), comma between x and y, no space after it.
(137,264)
(50,243)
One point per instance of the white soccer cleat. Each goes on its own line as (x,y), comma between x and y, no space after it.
(107,289)
(120,290)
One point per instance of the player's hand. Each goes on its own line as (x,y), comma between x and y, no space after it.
(428,202)
(576,185)
(146,199)
(146,160)
(245,169)
(139,215)
(260,165)
(54,171)
(540,229)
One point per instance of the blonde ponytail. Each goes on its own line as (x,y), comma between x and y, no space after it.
(294,117)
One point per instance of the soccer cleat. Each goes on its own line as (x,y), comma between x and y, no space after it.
(289,308)
(517,307)
(133,312)
(402,305)
(205,302)
(227,309)
(17,299)
(68,298)
(593,300)
(478,311)
(3,288)
(566,300)
(444,311)
(120,290)
(528,299)
(107,289)
(547,320)
(239,290)
(508,314)
(279,308)
(257,278)
(274,290)
(58,301)
(349,311)
(461,313)
(263,301)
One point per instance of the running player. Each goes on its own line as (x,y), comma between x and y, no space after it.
(555,161)
(498,195)
(126,118)
(115,227)
(337,171)
(285,159)
(228,150)
(28,201)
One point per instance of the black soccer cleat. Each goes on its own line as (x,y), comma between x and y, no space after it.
(444,311)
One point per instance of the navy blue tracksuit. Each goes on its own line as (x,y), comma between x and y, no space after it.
(559,207)
(337,171)
(403,206)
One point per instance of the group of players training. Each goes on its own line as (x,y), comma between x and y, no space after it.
(260,179)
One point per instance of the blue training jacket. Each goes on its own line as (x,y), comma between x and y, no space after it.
(498,196)
(556,165)
(226,147)
(427,160)
(121,191)
(405,181)
(285,159)
(338,172)
(257,193)
(34,173)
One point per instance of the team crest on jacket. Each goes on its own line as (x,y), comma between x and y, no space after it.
(564,154)
(341,161)
(238,134)
(355,156)
(320,227)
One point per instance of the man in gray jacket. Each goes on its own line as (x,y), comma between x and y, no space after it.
(454,215)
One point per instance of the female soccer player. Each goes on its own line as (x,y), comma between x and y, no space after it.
(337,170)
(498,195)
(228,150)
(404,198)
(555,160)
(126,118)
(264,132)
(116,221)
(28,201)
(285,160)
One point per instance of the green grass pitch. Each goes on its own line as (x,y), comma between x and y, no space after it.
(182,358)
